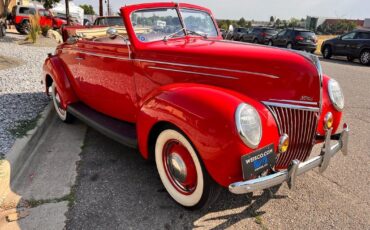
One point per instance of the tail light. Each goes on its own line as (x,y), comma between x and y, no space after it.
(299,38)
(263,34)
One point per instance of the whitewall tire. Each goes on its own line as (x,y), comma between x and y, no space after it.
(181,171)
(62,113)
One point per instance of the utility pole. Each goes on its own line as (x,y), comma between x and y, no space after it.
(100,7)
(108,6)
(67,12)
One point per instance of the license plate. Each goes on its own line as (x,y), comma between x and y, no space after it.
(257,162)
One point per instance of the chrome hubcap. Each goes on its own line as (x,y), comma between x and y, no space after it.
(365,57)
(177,167)
(326,52)
(180,167)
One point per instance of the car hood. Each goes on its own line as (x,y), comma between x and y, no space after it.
(261,72)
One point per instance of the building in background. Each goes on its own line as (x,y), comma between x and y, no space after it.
(313,23)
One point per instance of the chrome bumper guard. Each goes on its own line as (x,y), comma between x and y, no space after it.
(296,168)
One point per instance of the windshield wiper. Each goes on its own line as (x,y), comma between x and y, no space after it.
(187,31)
(172,35)
(196,33)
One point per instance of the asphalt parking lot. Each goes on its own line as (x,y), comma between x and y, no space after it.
(117,189)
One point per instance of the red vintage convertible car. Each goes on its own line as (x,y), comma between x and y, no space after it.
(211,113)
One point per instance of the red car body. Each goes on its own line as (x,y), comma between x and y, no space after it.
(196,84)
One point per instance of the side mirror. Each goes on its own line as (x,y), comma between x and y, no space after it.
(112,33)
(72,40)
(231,28)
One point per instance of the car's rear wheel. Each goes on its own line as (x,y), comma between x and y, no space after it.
(181,171)
(63,114)
(255,41)
(289,46)
(327,53)
(365,57)
(270,43)
(25,27)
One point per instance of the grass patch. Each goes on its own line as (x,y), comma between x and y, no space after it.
(258,220)
(321,39)
(23,126)
(70,198)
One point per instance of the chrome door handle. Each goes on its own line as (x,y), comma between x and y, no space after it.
(79,58)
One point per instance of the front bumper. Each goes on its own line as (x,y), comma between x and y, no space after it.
(297,168)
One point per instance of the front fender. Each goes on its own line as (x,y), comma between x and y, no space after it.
(54,68)
(327,106)
(206,114)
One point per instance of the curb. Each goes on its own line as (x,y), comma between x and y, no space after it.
(23,147)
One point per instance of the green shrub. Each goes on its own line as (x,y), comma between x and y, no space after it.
(44,30)
(35,28)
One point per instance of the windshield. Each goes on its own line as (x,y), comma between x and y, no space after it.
(110,21)
(160,24)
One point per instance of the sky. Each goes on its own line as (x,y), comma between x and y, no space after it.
(261,10)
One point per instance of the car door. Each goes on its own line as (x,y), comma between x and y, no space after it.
(342,45)
(107,82)
(279,39)
(362,39)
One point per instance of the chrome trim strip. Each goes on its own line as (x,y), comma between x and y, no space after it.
(191,72)
(283,105)
(209,68)
(322,161)
(177,64)
(294,101)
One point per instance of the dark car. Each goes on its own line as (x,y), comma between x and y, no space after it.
(239,33)
(260,35)
(355,44)
(293,38)
(109,21)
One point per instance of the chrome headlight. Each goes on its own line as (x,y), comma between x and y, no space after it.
(248,124)
(336,94)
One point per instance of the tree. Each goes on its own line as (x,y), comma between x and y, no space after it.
(2,9)
(88,9)
(272,19)
(242,22)
(48,4)
(277,23)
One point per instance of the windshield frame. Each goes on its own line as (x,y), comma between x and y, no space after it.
(179,14)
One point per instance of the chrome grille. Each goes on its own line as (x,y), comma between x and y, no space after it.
(300,125)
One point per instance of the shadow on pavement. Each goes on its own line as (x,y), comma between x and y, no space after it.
(342,61)
(117,189)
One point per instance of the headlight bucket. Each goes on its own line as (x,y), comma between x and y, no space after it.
(336,94)
(248,124)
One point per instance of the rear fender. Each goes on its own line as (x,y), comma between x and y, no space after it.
(206,115)
(54,68)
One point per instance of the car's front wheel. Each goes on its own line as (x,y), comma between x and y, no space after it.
(63,114)
(289,46)
(182,172)
(365,57)
(270,43)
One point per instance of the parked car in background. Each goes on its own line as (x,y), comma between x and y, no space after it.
(261,35)
(208,111)
(2,28)
(109,21)
(21,18)
(294,38)
(238,33)
(353,45)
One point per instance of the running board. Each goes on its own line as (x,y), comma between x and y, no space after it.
(120,131)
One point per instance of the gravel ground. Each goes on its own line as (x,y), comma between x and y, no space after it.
(21,96)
